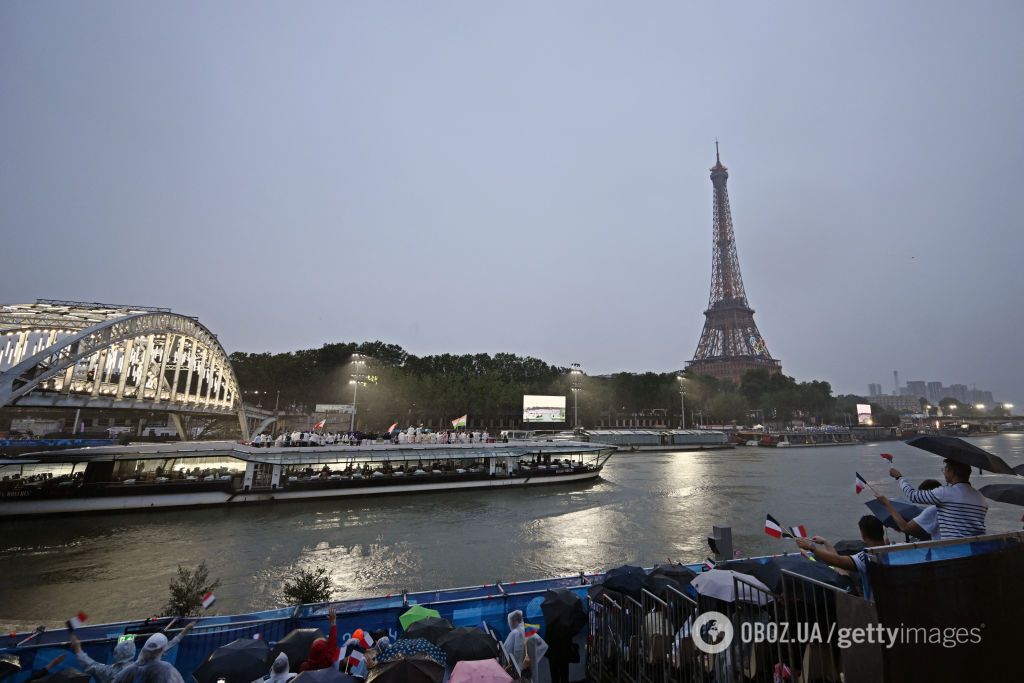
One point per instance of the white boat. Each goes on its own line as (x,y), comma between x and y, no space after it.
(188,474)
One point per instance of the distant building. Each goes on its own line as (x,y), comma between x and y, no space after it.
(919,389)
(936,392)
(875,389)
(958,392)
(898,404)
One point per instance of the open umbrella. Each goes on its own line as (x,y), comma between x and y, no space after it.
(240,661)
(468,642)
(480,671)
(849,547)
(1004,493)
(9,664)
(597,592)
(679,572)
(906,510)
(428,628)
(411,648)
(415,669)
(415,613)
(296,646)
(329,675)
(626,579)
(766,572)
(563,609)
(720,584)
(958,450)
(819,571)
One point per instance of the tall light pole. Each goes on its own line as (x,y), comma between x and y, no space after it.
(682,401)
(575,382)
(358,375)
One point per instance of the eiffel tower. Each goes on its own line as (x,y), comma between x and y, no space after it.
(730,343)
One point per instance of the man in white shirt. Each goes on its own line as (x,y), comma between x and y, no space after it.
(927,521)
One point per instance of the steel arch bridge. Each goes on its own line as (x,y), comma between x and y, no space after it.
(67,354)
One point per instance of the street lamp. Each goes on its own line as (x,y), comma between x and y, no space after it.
(358,376)
(575,384)
(682,401)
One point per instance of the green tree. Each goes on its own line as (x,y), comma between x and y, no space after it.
(186,591)
(308,586)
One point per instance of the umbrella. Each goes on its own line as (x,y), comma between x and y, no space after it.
(415,669)
(626,579)
(68,674)
(240,661)
(659,585)
(1004,493)
(296,646)
(819,571)
(597,591)
(481,671)
(9,664)
(415,613)
(679,572)
(563,609)
(468,642)
(428,628)
(960,451)
(851,547)
(329,675)
(719,583)
(766,572)
(411,648)
(1019,469)
(906,510)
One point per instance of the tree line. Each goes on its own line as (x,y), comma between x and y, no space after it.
(410,389)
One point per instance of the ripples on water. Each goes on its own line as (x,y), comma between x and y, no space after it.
(647,508)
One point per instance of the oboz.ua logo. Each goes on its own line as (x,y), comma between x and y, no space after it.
(712,632)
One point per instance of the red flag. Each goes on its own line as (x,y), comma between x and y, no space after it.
(887,456)
(319,425)
(76,621)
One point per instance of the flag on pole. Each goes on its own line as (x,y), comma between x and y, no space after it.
(208,600)
(76,621)
(772,527)
(392,427)
(798,531)
(709,564)
(886,456)
(319,425)
(460,421)
(859,484)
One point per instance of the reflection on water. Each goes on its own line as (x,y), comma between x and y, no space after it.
(647,508)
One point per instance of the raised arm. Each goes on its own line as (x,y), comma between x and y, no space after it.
(824,551)
(906,527)
(912,494)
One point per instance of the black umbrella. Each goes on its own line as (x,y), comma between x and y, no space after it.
(679,572)
(597,592)
(563,609)
(329,675)
(906,510)
(1019,469)
(428,628)
(469,643)
(766,572)
(1004,493)
(240,661)
(958,450)
(9,664)
(296,646)
(415,669)
(819,571)
(626,579)
(66,675)
(848,547)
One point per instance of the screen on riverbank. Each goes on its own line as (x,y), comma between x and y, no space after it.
(543,408)
(863,413)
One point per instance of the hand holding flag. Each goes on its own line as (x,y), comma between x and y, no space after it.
(860,483)
(76,621)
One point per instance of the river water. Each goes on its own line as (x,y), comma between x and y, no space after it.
(646,508)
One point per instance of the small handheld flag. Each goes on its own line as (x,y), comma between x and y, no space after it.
(709,564)
(886,456)
(532,629)
(772,527)
(859,484)
(460,421)
(76,621)
(208,600)
(319,425)
(798,531)
(392,428)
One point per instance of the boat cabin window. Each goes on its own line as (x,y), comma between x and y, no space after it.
(36,474)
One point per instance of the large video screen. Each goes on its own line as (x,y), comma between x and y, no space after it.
(863,414)
(543,408)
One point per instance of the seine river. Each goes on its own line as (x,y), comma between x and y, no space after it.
(646,508)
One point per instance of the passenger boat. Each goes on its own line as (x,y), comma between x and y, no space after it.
(187,474)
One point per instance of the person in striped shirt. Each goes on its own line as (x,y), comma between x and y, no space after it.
(960,508)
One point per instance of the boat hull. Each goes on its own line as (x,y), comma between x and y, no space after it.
(33,507)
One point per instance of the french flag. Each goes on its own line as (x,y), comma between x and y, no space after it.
(76,621)
(859,484)
(798,531)
(709,564)
(886,456)
(208,600)
(772,527)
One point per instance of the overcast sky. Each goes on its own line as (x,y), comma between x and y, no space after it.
(529,177)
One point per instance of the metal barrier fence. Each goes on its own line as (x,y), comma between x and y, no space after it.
(654,640)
